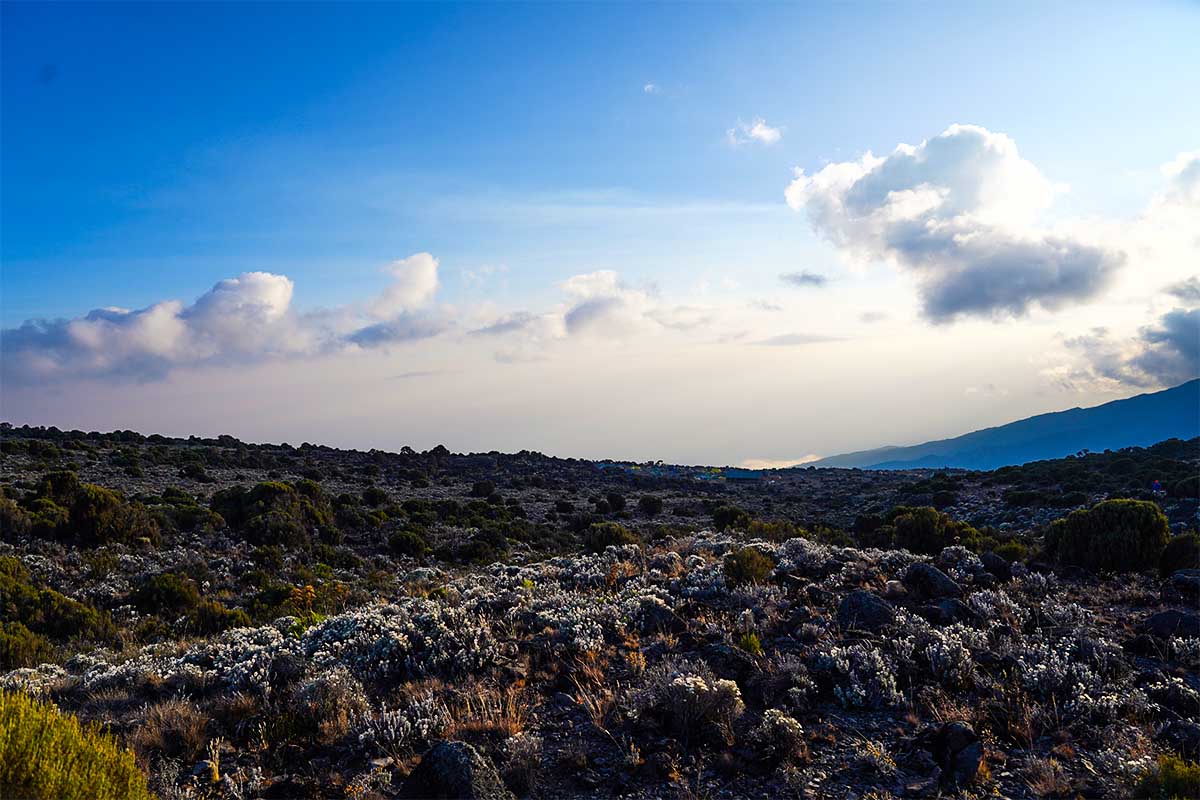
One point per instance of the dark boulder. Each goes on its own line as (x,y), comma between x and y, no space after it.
(454,771)
(956,749)
(1166,624)
(1186,582)
(928,582)
(730,663)
(657,618)
(950,611)
(864,611)
(997,565)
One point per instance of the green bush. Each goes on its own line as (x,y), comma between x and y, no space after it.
(100,516)
(750,643)
(730,517)
(48,755)
(748,566)
(167,593)
(278,513)
(408,543)
(924,530)
(45,611)
(650,505)
(1186,488)
(1115,535)
(14,520)
(374,496)
(21,647)
(1182,552)
(600,535)
(1171,779)
(211,616)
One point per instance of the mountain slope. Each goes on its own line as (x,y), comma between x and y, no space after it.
(1133,422)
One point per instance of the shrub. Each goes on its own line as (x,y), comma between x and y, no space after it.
(750,643)
(45,611)
(650,505)
(407,543)
(21,647)
(374,496)
(730,517)
(1182,552)
(174,728)
(211,616)
(1172,779)
(48,755)
(100,516)
(278,513)
(602,534)
(483,489)
(774,530)
(14,520)
(1186,488)
(1012,551)
(615,501)
(1115,535)
(748,566)
(166,592)
(927,530)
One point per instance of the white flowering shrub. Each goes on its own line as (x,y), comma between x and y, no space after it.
(1186,650)
(779,737)
(959,563)
(400,732)
(687,698)
(863,676)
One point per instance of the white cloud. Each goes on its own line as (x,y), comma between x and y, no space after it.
(959,212)
(652,88)
(756,132)
(242,319)
(414,284)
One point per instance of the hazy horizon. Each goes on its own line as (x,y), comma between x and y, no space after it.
(702,234)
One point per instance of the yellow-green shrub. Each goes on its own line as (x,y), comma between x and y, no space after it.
(49,755)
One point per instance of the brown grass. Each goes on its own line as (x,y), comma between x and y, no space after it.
(173,728)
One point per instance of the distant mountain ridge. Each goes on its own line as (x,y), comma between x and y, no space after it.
(1134,422)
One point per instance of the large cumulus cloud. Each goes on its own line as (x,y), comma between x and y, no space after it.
(240,319)
(958,211)
(1165,352)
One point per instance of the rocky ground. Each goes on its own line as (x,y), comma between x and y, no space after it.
(431,625)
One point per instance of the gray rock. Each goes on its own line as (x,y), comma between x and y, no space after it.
(1165,624)
(454,771)
(957,750)
(864,611)
(927,581)
(997,565)
(1186,582)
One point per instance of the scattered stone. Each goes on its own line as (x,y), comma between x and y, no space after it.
(1186,582)
(1166,624)
(927,581)
(454,771)
(864,611)
(997,565)
(958,752)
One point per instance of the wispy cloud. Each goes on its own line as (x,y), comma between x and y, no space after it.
(652,88)
(796,339)
(757,132)
(805,279)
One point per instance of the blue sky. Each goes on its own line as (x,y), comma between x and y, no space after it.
(150,151)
